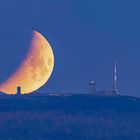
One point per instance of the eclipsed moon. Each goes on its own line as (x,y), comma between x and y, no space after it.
(34,70)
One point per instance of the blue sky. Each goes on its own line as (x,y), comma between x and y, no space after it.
(86,36)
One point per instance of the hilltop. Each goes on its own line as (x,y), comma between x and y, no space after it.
(69,117)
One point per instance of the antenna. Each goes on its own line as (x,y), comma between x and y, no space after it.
(115,87)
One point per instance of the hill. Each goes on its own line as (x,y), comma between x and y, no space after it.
(69,117)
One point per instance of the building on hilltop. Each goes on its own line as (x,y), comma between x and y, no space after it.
(113,91)
(92,87)
(18,90)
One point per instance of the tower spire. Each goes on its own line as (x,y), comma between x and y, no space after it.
(115,87)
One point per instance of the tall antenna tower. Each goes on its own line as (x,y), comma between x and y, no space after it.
(115,84)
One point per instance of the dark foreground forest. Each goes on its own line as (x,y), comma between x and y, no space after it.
(73,117)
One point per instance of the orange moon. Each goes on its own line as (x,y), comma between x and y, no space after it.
(35,69)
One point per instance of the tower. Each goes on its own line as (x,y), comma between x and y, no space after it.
(93,87)
(18,90)
(115,86)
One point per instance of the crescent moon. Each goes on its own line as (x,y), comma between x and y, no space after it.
(35,69)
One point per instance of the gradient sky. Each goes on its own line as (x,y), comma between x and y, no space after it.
(86,37)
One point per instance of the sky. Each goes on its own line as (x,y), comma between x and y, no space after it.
(86,37)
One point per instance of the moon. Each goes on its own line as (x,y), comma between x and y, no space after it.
(34,71)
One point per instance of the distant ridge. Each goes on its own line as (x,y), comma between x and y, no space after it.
(63,101)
